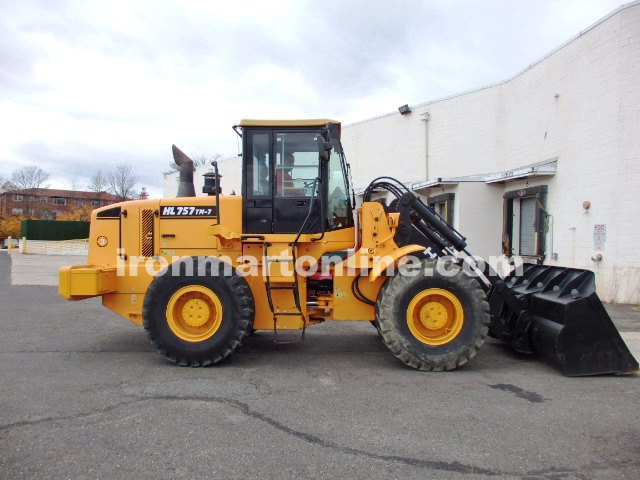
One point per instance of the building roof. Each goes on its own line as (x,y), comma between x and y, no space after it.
(52,192)
(546,168)
(540,169)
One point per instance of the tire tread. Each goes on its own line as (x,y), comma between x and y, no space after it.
(243,313)
(392,337)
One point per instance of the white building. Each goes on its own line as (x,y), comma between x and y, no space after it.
(544,165)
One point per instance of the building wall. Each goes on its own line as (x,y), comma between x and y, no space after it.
(479,212)
(40,204)
(390,145)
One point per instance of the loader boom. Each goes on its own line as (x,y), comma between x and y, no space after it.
(546,310)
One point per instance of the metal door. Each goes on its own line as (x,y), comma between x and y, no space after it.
(528,226)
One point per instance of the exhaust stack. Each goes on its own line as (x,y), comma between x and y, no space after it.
(185,187)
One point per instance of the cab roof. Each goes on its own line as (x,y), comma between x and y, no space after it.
(310,122)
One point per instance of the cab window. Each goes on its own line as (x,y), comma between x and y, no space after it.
(258,171)
(297,163)
(339,211)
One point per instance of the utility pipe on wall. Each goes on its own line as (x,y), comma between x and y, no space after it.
(425,118)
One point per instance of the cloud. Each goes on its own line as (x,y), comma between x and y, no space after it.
(78,162)
(92,84)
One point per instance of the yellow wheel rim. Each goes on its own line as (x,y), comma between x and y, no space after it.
(194,313)
(435,316)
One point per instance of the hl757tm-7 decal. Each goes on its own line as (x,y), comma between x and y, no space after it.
(187,211)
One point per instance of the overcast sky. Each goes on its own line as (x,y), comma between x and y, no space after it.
(87,85)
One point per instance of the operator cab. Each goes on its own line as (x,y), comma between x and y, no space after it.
(287,170)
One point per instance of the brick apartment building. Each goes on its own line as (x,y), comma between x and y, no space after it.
(47,203)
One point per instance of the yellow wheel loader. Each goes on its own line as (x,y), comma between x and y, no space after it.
(201,273)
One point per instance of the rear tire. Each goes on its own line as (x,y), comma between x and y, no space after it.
(190,340)
(408,306)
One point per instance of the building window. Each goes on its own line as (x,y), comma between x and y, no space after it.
(43,199)
(17,198)
(59,201)
(94,203)
(79,203)
(443,205)
(525,221)
(16,211)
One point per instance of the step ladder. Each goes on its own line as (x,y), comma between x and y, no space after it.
(282,281)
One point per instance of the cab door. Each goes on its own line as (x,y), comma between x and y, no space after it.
(281,167)
(258,181)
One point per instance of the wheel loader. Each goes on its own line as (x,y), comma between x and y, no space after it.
(201,273)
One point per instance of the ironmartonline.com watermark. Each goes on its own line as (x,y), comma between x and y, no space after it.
(306,266)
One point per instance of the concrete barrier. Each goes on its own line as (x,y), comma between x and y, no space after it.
(50,247)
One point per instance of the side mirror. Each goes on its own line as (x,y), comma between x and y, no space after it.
(324,147)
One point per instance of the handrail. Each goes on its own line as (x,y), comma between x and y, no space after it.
(304,224)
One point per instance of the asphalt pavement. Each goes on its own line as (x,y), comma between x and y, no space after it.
(83,395)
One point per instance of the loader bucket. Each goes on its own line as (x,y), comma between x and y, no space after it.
(554,312)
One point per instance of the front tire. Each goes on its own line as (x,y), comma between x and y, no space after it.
(376,325)
(198,320)
(435,321)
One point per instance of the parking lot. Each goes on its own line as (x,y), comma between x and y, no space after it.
(83,395)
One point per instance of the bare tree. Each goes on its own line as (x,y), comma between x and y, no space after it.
(29,178)
(75,187)
(98,184)
(206,159)
(121,181)
(6,185)
(198,161)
